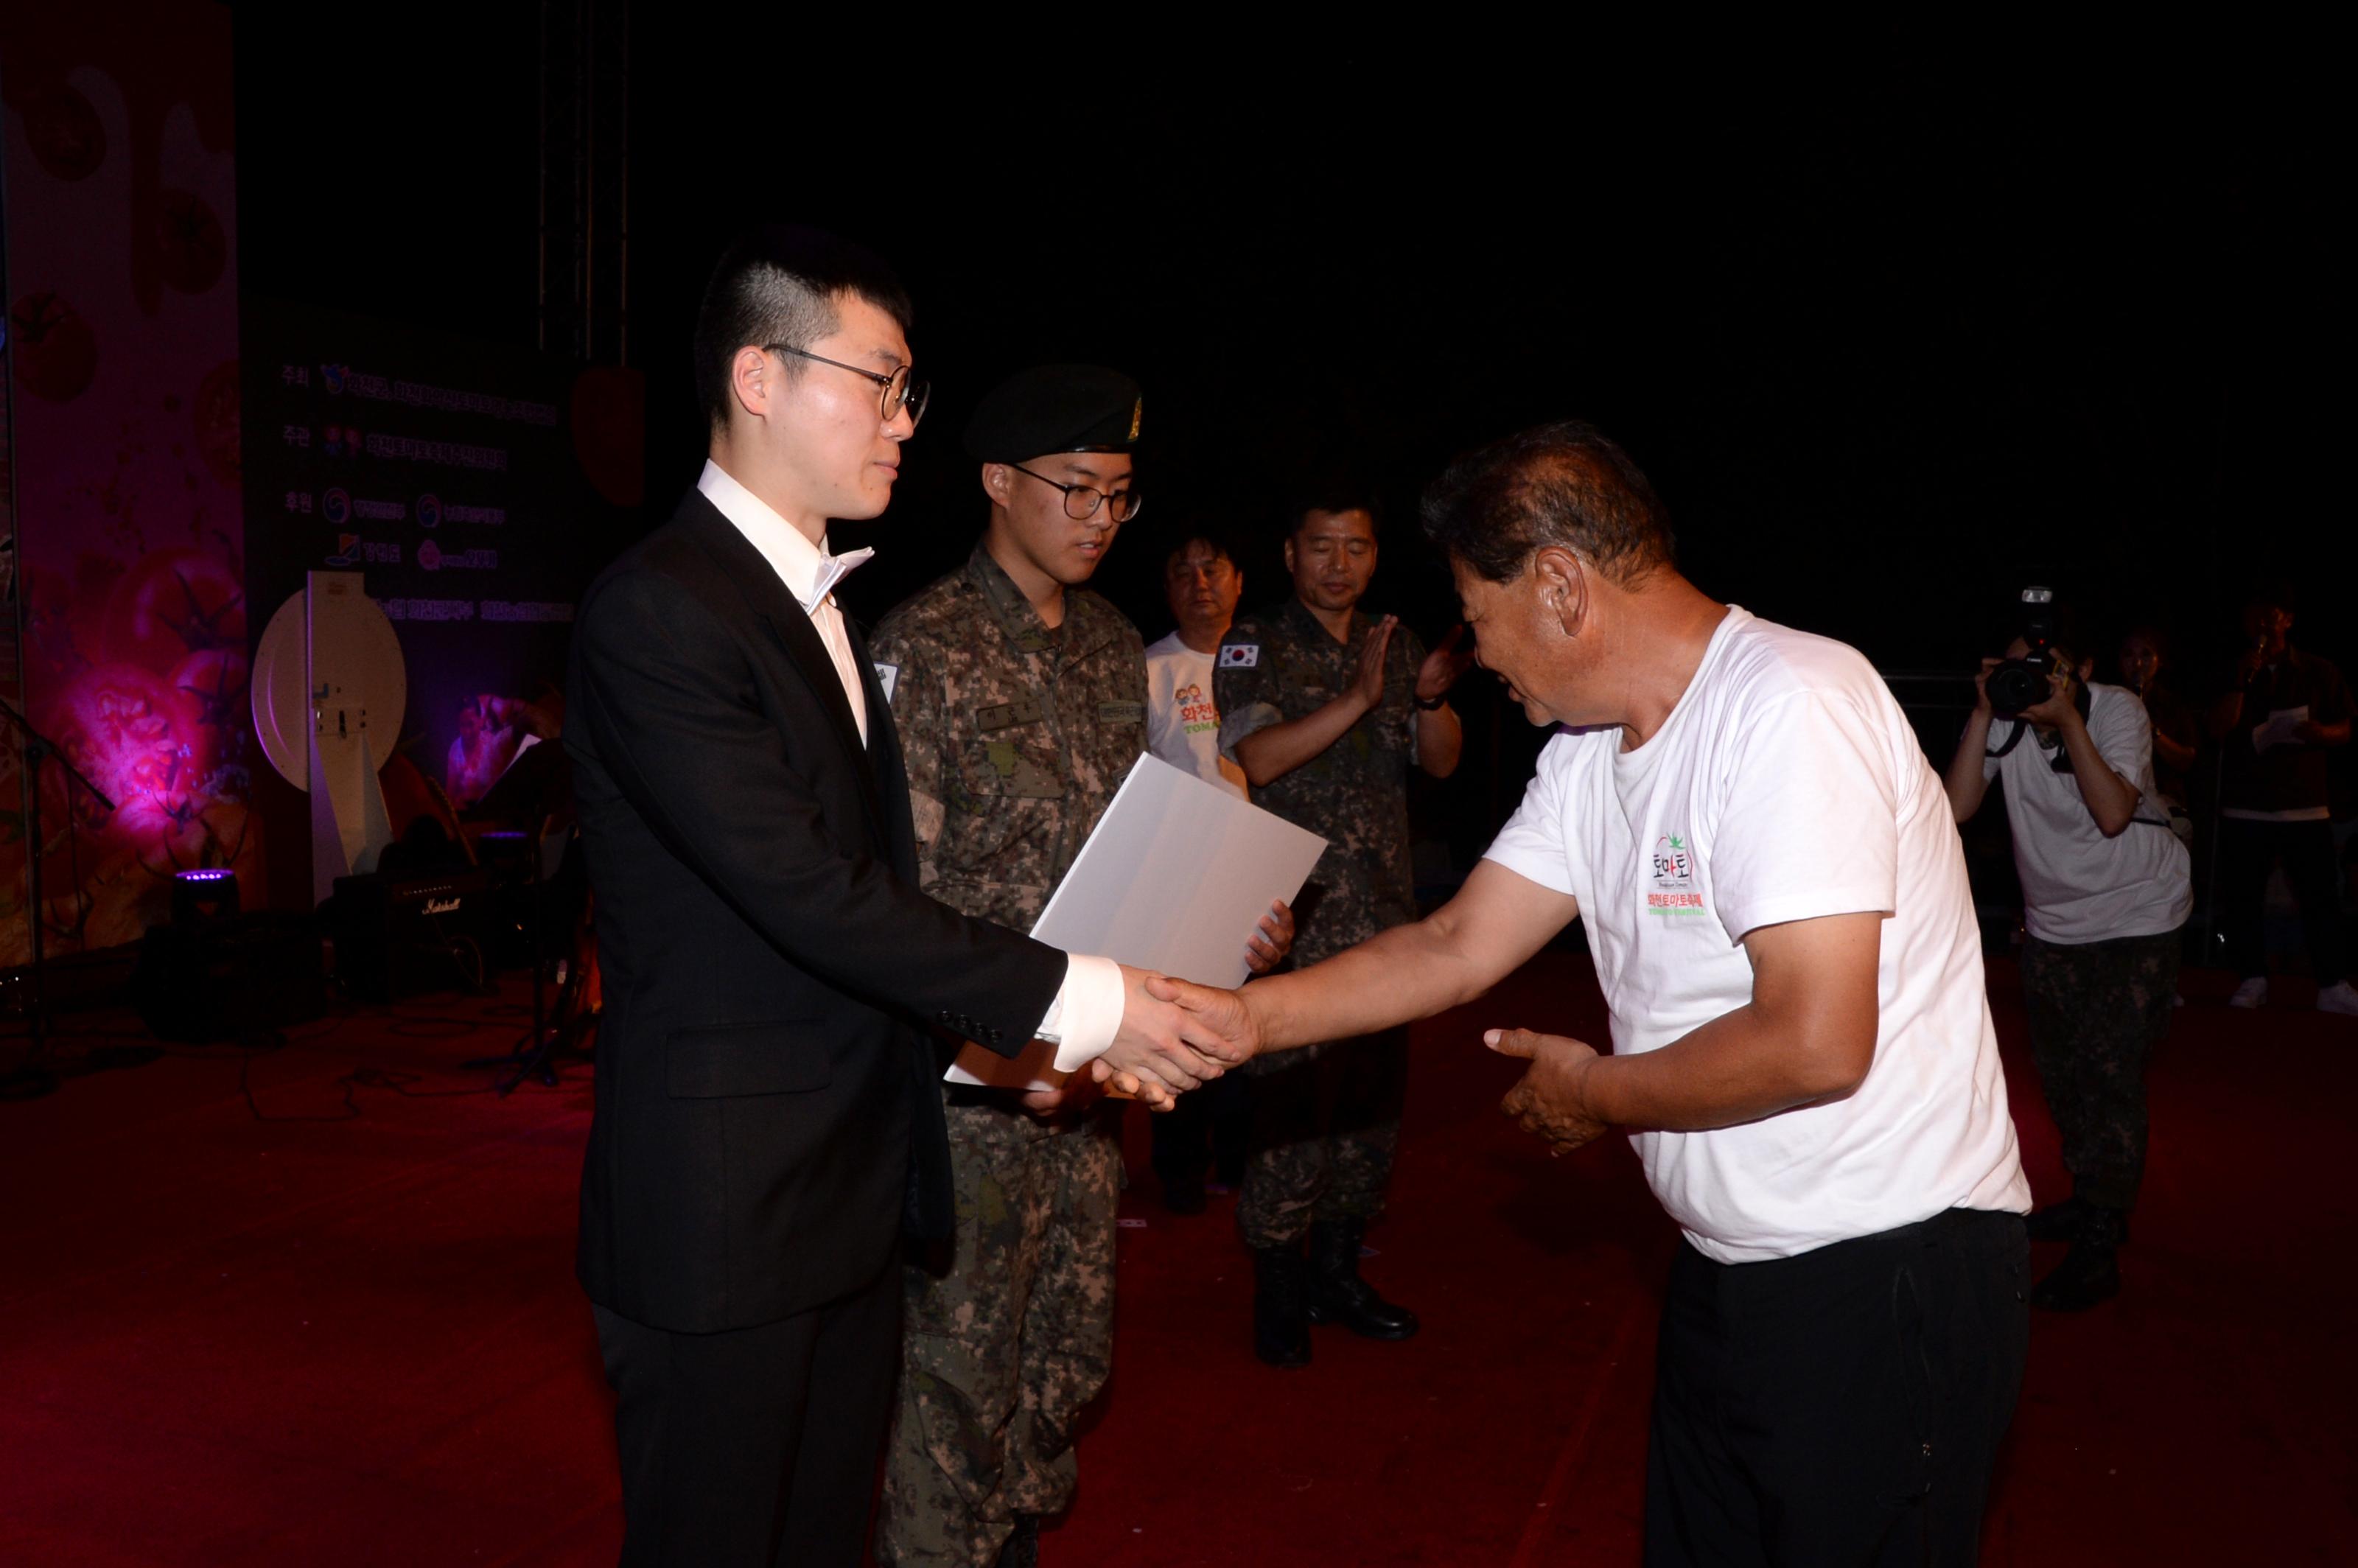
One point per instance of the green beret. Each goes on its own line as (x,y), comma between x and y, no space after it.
(1056,408)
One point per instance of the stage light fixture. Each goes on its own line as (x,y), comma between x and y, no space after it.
(204,897)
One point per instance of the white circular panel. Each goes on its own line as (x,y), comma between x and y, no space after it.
(361,656)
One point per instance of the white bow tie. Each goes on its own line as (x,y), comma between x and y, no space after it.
(833,569)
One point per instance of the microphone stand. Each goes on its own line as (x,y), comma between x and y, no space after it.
(530,1058)
(34,1078)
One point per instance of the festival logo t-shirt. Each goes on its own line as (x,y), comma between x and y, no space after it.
(1786,784)
(1183,728)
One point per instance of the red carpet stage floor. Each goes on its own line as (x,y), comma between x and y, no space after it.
(347,1333)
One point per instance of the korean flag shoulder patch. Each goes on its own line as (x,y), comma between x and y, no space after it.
(1241,656)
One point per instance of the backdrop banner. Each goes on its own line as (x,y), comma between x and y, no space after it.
(469,484)
(123,342)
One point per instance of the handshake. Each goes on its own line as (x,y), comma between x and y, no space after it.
(1176,1035)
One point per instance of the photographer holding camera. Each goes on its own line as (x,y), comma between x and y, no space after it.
(2105,888)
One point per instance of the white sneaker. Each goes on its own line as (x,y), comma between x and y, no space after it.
(2253,992)
(2338,998)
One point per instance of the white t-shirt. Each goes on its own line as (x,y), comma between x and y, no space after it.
(2077,884)
(1785,784)
(1181,727)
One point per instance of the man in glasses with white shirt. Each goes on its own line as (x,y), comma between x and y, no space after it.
(767,1119)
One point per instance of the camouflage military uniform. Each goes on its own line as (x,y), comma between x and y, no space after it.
(1017,737)
(1327,1118)
(2096,1011)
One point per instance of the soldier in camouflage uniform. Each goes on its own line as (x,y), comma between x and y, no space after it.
(1326,710)
(1021,701)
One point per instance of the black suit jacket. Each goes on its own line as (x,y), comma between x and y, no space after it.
(768,1107)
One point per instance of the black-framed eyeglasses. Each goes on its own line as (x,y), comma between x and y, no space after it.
(902,388)
(1081,501)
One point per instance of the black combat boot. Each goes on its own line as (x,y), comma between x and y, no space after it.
(1023,1548)
(2057,1221)
(1337,1294)
(1280,1312)
(2091,1271)
(2064,1221)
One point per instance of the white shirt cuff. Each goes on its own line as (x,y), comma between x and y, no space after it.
(1087,1013)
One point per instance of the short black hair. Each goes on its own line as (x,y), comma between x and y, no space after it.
(1332,491)
(1567,483)
(779,285)
(1180,539)
(2273,592)
(2067,633)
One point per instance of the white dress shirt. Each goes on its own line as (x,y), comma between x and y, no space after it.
(809,573)
(1087,1010)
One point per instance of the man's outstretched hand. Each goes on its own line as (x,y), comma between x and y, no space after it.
(1163,1042)
(1549,1101)
(1222,1012)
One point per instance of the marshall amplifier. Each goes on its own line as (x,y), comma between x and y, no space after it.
(397,936)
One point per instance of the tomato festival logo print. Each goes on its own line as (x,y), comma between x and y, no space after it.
(1674,894)
(1196,714)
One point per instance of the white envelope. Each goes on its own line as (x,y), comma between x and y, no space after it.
(1175,880)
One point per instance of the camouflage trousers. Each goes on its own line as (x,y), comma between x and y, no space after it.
(2097,1009)
(1326,1124)
(1003,1347)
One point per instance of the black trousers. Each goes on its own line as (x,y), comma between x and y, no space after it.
(2249,851)
(1839,1408)
(754,1448)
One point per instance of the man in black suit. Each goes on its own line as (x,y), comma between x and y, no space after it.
(768,1119)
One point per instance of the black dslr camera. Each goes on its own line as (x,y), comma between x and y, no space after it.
(2017,684)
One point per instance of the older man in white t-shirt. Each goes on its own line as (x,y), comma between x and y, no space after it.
(1777,906)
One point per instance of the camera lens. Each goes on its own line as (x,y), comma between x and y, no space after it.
(2015,685)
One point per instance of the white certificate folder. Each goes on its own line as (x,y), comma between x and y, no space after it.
(1175,880)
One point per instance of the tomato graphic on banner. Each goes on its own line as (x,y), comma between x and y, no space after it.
(123,448)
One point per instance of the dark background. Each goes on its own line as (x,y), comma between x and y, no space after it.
(1894,321)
